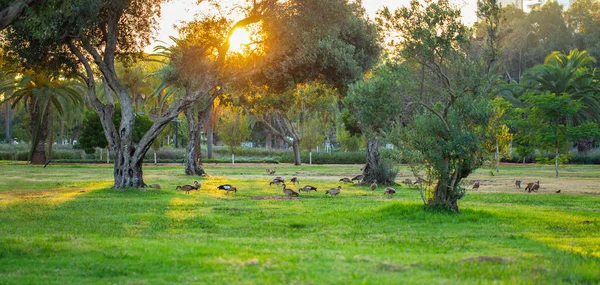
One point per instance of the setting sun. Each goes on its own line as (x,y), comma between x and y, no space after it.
(239,38)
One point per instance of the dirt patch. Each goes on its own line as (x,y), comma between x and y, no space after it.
(274,198)
(485,258)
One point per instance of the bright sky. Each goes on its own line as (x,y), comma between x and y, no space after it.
(178,11)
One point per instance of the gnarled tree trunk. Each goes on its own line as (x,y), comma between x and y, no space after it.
(193,149)
(373,161)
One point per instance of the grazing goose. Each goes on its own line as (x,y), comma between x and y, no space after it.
(518,183)
(186,188)
(277,181)
(374,185)
(289,192)
(390,191)
(358,178)
(295,180)
(308,188)
(536,186)
(228,188)
(334,191)
(476,186)
(346,180)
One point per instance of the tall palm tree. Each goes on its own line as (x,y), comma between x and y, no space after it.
(44,96)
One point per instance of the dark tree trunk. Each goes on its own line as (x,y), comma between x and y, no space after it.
(445,193)
(373,161)
(585,145)
(193,149)
(296,148)
(39,127)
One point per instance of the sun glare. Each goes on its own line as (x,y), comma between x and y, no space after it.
(239,38)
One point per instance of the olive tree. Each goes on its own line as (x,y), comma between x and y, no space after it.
(455,81)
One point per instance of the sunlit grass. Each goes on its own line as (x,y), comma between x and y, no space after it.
(69,227)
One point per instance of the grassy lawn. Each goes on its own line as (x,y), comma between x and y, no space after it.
(64,225)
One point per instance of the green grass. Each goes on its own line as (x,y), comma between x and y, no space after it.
(64,225)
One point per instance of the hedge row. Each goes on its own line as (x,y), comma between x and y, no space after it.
(254,155)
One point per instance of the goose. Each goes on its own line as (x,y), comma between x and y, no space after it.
(390,191)
(346,180)
(227,187)
(476,186)
(155,186)
(374,185)
(186,188)
(289,192)
(277,181)
(295,180)
(358,178)
(308,188)
(334,191)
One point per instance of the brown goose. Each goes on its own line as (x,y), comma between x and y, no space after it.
(289,192)
(308,188)
(476,186)
(374,185)
(295,180)
(334,191)
(536,186)
(186,188)
(389,191)
(155,186)
(277,181)
(358,178)
(346,180)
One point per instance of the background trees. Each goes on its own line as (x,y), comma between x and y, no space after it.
(234,129)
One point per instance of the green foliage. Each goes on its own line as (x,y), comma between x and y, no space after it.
(92,135)
(348,141)
(376,103)
(453,110)
(313,133)
(338,43)
(234,128)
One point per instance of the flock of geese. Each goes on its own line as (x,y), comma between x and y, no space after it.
(289,192)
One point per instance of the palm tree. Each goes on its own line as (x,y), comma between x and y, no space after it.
(573,74)
(44,97)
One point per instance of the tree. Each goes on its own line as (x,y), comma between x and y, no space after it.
(455,81)
(91,137)
(88,36)
(376,103)
(583,17)
(547,123)
(11,10)
(42,95)
(285,114)
(314,134)
(571,74)
(234,129)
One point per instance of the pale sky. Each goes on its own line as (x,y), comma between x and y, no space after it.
(177,11)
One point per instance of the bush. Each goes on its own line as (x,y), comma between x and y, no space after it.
(385,172)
